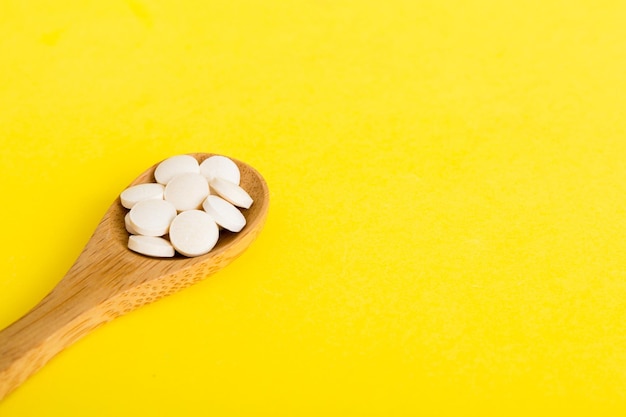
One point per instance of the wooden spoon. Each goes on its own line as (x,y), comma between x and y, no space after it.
(108,280)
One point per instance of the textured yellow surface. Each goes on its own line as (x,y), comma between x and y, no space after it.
(447,228)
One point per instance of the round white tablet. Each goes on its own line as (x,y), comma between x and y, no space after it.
(129,225)
(222,167)
(152,217)
(231,192)
(187,191)
(151,246)
(193,233)
(224,213)
(175,165)
(149,191)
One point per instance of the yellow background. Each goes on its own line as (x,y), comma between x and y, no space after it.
(447,226)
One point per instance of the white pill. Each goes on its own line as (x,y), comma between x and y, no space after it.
(231,192)
(224,213)
(151,246)
(152,217)
(187,191)
(222,167)
(193,233)
(132,195)
(175,165)
(129,225)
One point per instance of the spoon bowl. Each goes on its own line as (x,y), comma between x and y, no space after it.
(108,280)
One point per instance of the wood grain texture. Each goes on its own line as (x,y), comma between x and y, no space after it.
(108,280)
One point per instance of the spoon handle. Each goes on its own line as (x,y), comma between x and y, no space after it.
(95,290)
(66,314)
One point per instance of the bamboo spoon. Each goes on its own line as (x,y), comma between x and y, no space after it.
(108,280)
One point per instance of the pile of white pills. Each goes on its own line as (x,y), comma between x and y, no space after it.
(185,208)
